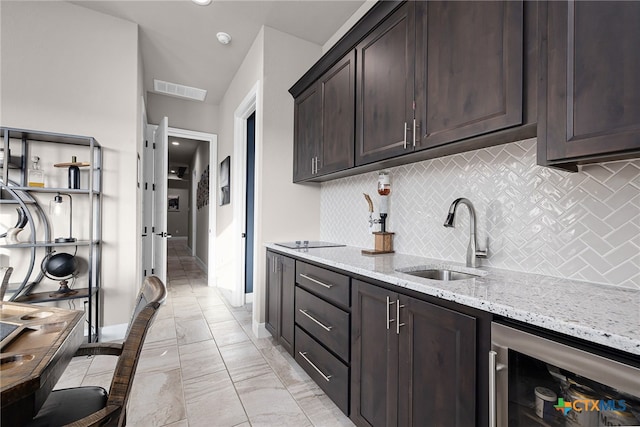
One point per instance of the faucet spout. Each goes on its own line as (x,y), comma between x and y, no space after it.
(473,253)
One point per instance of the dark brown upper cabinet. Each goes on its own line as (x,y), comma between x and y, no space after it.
(306,131)
(590,75)
(385,90)
(324,123)
(469,69)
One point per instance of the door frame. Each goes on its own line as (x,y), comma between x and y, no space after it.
(212,139)
(248,106)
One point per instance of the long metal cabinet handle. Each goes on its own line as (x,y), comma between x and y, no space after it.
(405,135)
(414,133)
(389,320)
(492,388)
(398,324)
(316,281)
(322,325)
(304,355)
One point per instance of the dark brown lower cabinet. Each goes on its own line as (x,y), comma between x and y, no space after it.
(280,291)
(413,362)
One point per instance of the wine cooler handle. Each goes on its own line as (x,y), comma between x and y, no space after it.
(492,388)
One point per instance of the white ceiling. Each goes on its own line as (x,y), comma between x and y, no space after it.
(178,38)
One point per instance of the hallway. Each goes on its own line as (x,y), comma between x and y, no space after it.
(202,366)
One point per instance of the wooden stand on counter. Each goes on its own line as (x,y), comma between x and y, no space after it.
(383,244)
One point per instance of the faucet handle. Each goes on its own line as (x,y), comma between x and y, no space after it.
(483,253)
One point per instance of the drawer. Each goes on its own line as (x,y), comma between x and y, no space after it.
(332,286)
(326,370)
(323,321)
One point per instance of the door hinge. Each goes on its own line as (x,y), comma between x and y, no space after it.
(153,271)
(145,230)
(146,143)
(146,185)
(153,229)
(144,274)
(154,145)
(154,187)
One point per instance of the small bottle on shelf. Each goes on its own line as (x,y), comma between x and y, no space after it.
(35,176)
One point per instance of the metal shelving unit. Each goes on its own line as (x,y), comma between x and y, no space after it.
(14,192)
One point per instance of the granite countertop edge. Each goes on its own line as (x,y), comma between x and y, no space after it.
(610,318)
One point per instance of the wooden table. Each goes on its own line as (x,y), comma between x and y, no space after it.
(39,343)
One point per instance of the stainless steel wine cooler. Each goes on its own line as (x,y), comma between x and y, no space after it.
(537,380)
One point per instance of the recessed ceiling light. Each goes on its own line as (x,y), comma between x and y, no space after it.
(175,143)
(202,2)
(223,37)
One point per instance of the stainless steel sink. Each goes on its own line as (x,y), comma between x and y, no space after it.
(440,274)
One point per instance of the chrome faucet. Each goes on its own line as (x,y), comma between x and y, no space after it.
(472,251)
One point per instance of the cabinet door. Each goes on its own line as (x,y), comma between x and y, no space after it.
(437,357)
(593,90)
(288,282)
(374,358)
(272,296)
(385,74)
(469,69)
(338,115)
(306,133)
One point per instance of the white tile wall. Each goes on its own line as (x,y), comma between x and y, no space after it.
(583,226)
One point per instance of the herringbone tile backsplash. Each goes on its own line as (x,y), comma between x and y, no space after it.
(583,226)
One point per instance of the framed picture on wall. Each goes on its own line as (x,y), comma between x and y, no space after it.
(225,181)
(173,203)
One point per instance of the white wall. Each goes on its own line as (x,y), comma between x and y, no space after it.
(362,10)
(71,70)
(183,113)
(200,163)
(285,210)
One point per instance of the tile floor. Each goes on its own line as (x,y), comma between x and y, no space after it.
(202,366)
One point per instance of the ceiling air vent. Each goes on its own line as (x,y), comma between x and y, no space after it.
(181,91)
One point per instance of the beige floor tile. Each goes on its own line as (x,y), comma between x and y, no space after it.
(161,330)
(200,358)
(217,313)
(243,361)
(212,401)
(75,373)
(156,399)
(268,403)
(228,333)
(189,331)
(159,358)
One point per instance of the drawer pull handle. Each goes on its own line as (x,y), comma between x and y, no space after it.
(304,355)
(322,325)
(316,281)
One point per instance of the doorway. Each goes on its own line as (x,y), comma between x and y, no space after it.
(250,198)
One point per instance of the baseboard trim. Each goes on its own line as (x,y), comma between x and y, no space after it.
(259,330)
(248,298)
(201,264)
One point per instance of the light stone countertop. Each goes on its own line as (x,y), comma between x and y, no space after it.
(602,314)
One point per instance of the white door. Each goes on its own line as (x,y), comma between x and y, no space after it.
(147,201)
(159,229)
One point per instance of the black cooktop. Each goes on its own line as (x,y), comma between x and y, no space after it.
(309,244)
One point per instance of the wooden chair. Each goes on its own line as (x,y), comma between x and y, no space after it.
(93,406)
(5,273)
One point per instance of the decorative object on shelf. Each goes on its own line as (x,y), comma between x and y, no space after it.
(11,235)
(74,171)
(60,266)
(225,181)
(35,174)
(173,203)
(383,243)
(56,208)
